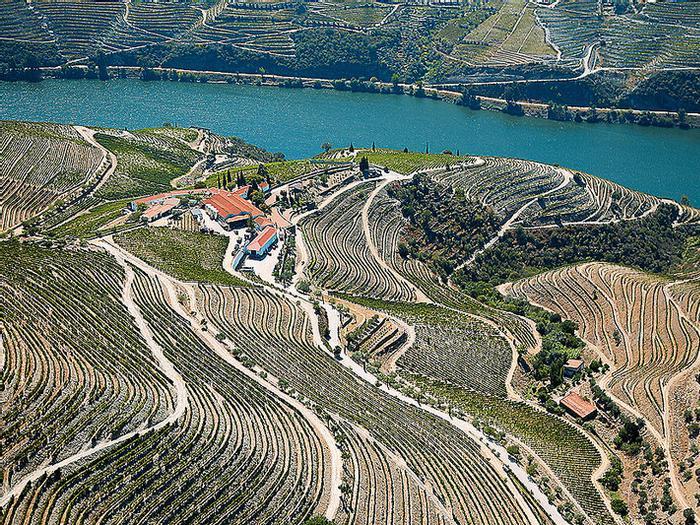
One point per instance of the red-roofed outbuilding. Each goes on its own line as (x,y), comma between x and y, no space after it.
(577,406)
(265,240)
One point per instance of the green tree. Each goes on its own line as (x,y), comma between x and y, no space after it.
(364,165)
(619,506)
(689,516)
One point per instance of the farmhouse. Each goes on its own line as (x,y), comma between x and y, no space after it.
(575,405)
(161,197)
(159,209)
(572,367)
(230,209)
(262,244)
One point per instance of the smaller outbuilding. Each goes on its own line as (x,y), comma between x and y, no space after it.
(573,367)
(160,209)
(578,407)
(263,243)
(262,222)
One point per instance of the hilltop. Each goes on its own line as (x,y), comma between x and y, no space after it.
(197,330)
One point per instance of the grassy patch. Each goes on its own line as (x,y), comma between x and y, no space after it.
(279,172)
(456,29)
(189,256)
(146,163)
(362,16)
(410,162)
(87,225)
(182,134)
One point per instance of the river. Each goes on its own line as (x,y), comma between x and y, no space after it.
(664,162)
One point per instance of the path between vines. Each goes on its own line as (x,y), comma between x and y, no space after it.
(89,136)
(166,367)
(493,453)
(220,349)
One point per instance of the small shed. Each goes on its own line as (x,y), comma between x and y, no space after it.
(578,407)
(573,367)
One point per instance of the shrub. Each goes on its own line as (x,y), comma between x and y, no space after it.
(619,506)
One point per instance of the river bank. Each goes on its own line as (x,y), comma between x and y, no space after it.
(663,162)
(591,115)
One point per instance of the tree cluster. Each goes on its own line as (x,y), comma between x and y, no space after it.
(650,243)
(445,224)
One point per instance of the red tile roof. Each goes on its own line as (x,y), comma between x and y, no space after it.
(574,363)
(263,221)
(576,404)
(229,204)
(242,191)
(262,238)
(155,210)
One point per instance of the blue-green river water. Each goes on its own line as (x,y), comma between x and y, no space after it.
(665,162)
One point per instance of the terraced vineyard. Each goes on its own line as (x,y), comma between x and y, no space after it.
(541,194)
(79,31)
(663,35)
(248,453)
(42,166)
(281,345)
(147,379)
(386,225)
(76,370)
(635,323)
(553,440)
(339,256)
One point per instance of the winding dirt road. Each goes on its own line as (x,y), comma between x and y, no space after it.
(89,136)
(166,367)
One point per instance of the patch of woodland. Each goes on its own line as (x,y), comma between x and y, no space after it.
(445,225)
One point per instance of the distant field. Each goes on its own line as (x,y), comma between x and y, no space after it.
(511,36)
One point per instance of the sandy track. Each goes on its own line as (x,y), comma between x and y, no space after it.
(89,136)
(393,176)
(221,350)
(166,367)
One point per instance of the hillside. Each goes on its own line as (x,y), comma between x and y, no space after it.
(577,52)
(211,334)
